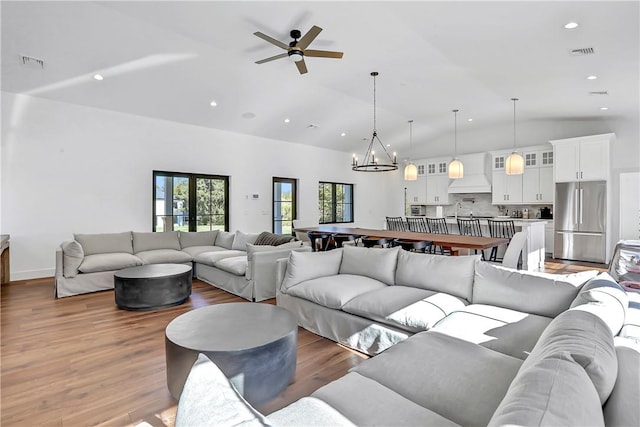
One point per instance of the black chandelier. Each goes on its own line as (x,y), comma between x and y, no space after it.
(371,163)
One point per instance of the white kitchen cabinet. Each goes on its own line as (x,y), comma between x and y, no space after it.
(583,158)
(506,189)
(416,191)
(537,179)
(438,181)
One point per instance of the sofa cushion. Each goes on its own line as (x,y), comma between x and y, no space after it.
(620,409)
(584,338)
(161,256)
(224,239)
(241,239)
(367,402)
(550,392)
(72,257)
(334,291)
(408,308)
(376,263)
(234,265)
(197,238)
(303,266)
(271,239)
(537,293)
(210,258)
(465,386)
(149,241)
(108,262)
(197,250)
(605,298)
(105,243)
(309,411)
(508,331)
(452,275)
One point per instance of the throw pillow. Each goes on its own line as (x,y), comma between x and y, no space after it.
(224,239)
(72,258)
(267,238)
(241,239)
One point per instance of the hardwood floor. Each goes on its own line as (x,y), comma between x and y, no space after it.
(81,361)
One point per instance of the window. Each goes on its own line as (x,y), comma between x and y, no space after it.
(190,202)
(284,205)
(335,202)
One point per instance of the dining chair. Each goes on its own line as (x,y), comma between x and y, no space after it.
(413,245)
(502,229)
(371,241)
(512,256)
(319,241)
(418,225)
(438,226)
(396,223)
(470,227)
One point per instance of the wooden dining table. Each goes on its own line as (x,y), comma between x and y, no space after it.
(453,241)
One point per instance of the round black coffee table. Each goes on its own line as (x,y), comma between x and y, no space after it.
(154,286)
(254,344)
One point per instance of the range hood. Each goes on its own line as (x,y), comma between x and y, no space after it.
(476,174)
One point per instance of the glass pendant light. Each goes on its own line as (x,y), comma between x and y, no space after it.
(514,165)
(456,168)
(410,171)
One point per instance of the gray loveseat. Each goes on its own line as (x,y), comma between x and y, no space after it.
(465,343)
(236,262)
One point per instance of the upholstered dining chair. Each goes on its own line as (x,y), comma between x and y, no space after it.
(511,256)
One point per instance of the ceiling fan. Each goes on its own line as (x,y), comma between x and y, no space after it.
(297,48)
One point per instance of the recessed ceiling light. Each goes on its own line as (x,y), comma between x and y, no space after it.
(343,134)
(98,77)
(571,25)
(604,108)
(213,103)
(592,77)
(388,145)
(469,120)
(287,120)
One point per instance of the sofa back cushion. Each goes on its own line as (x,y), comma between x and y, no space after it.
(376,263)
(197,238)
(605,298)
(105,243)
(150,241)
(303,266)
(224,239)
(453,275)
(551,392)
(72,257)
(241,239)
(584,338)
(535,293)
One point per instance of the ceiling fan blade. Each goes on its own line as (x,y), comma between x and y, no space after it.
(302,67)
(282,55)
(323,53)
(271,40)
(309,37)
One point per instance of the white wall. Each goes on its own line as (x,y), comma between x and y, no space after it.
(72,169)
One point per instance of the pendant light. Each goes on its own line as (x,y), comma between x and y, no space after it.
(456,168)
(410,171)
(371,163)
(514,165)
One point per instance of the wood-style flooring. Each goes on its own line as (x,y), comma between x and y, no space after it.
(81,361)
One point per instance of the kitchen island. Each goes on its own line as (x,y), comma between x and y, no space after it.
(534,251)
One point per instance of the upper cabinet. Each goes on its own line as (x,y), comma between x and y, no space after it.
(534,186)
(438,181)
(582,159)
(416,190)
(506,189)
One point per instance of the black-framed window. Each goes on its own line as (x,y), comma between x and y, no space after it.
(335,202)
(190,202)
(284,205)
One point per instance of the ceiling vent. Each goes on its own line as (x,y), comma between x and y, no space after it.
(31,62)
(598,92)
(582,51)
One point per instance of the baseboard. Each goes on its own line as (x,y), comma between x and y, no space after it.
(32,274)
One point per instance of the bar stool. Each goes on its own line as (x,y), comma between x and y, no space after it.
(413,245)
(341,239)
(325,238)
(371,241)
(500,228)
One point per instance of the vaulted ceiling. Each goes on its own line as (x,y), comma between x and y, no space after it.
(169,60)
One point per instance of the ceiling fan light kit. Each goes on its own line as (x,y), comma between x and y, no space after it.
(370,162)
(456,168)
(514,165)
(297,48)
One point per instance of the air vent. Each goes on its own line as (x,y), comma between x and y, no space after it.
(598,92)
(31,62)
(582,51)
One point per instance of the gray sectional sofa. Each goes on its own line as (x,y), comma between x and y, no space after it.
(236,262)
(456,341)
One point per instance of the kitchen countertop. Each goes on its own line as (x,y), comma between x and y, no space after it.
(498,218)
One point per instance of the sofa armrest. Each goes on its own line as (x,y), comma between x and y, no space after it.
(59,262)
(281,271)
(261,270)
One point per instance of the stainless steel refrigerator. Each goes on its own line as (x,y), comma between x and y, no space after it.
(580,215)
